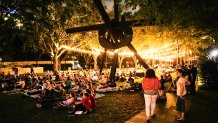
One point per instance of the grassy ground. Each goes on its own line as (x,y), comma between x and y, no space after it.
(115,107)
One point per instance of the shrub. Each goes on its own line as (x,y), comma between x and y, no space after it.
(208,71)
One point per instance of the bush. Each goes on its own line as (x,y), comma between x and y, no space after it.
(209,74)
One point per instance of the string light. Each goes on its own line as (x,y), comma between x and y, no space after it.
(165,53)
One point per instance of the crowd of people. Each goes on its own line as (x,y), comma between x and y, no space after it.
(69,90)
(76,90)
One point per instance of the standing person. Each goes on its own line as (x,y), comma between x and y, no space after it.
(151,85)
(181,92)
(194,73)
(31,70)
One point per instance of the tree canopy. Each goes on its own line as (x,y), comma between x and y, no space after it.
(193,23)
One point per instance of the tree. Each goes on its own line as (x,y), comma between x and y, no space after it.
(44,24)
(8,31)
(185,21)
(50,26)
(91,43)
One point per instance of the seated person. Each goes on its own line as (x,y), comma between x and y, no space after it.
(50,92)
(129,83)
(85,104)
(70,102)
(111,84)
(20,83)
(94,78)
(50,98)
(131,80)
(60,90)
(44,85)
(68,83)
(33,92)
(122,79)
(117,77)
(57,76)
(103,79)
(92,98)
(75,88)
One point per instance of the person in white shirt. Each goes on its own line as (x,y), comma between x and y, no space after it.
(181,92)
(69,102)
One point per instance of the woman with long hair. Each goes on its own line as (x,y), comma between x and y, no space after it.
(151,86)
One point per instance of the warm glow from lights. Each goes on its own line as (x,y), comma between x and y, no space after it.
(126,53)
(6,18)
(80,50)
(19,24)
(166,53)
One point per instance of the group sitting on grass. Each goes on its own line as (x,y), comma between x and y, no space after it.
(74,91)
(83,101)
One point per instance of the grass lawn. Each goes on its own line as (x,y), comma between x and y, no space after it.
(115,107)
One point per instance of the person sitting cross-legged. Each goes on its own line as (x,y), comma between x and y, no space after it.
(84,104)
(69,103)
(91,97)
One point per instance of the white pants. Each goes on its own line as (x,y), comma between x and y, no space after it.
(150,104)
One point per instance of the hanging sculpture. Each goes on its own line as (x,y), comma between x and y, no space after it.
(114,34)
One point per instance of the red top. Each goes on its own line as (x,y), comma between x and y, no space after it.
(87,103)
(151,84)
(93,102)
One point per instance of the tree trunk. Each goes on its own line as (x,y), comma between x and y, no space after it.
(56,63)
(95,62)
(87,64)
(87,58)
(120,60)
(103,61)
(135,61)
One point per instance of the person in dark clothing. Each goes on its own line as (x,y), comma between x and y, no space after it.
(194,78)
(162,81)
(31,70)
(166,77)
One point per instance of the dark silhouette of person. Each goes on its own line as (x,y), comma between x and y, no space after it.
(194,73)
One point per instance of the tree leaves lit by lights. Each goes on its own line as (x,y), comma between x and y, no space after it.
(125,7)
(10,13)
